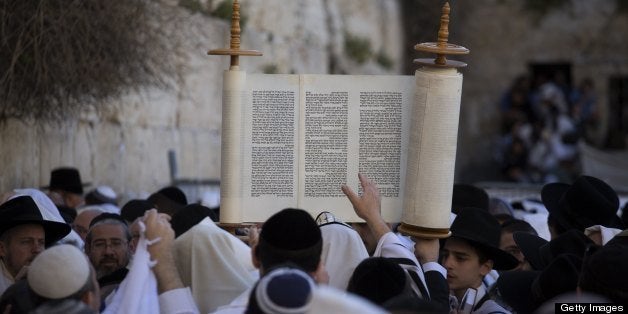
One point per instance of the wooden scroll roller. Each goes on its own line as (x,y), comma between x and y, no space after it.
(430,166)
(234,46)
(442,48)
(234,80)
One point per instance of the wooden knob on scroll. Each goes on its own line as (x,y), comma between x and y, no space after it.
(235,26)
(234,44)
(443,34)
(442,48)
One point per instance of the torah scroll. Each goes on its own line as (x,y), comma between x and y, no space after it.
(432,153)
(233,93)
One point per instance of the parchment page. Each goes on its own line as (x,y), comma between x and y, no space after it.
(270,154)
(350,124)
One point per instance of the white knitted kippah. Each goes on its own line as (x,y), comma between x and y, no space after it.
(107,192)
(58,272)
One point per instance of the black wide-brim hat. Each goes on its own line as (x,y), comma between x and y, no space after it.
(541,253)
(23,210)
(482,230)
(66,179)
(515,288)
(168,200)
(526,290)
(587,202)
(189,216)
(466,195)
(529,244)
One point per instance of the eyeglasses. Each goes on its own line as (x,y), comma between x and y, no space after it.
(115,244)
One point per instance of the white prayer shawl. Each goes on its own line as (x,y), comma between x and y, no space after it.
(343,250)
(325,299)
(215,264)
(137,293)
(390,246)
(331,300)
(606,232)
(538,221)
(49,211)
(489,306)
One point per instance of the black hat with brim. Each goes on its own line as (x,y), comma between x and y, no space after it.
(526,290)
(66,179)
(588,201)
(482,230)
(23,210)
(189,216)
(515,288)
(466,195)
(529,244)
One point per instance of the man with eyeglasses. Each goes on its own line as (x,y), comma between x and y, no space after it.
(109,248)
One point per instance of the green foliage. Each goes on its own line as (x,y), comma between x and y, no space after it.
(384,60)
(358,48)
(194,6)
(61,58)
(270,68)
(225,8)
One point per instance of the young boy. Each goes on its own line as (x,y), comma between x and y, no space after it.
(470,253)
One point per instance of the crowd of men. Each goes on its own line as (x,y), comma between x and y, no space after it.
(65,252)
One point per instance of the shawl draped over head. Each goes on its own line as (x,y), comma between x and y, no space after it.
(137,293)
(49,211)
(287,290)
(215,264)
(343,250)
(330,300)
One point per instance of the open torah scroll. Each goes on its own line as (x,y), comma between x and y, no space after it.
(293,140)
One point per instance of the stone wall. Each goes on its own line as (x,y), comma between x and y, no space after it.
(127,147)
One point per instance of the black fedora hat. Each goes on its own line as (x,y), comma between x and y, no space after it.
(529,244)
(168,200)
(560,276)
(515,289)
(188,216)
(66,179)
(482,230)
(541,253)
(22,210)
(588,201)
(134,209)
(526,290)
(466,195)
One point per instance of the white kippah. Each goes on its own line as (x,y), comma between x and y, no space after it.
(285,291)
(58,272)
(107,192)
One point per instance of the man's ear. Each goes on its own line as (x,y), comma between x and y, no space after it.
(486,267)
(254,257)
(89,298)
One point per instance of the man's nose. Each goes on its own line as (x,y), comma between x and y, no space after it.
(38,248)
